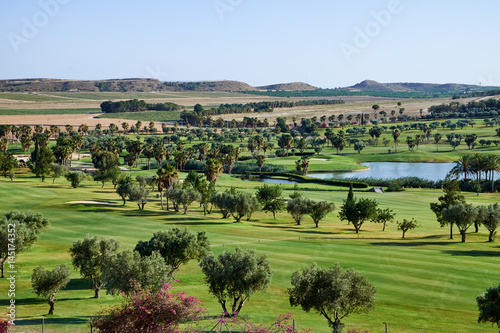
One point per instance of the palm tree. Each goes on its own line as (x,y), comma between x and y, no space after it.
(462,166)
(260,162)
(493,165)
(213,169)
(166,178)
(437,138)
(395,136)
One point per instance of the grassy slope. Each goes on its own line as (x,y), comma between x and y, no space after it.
(426,283)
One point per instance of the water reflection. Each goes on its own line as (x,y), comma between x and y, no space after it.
(391,170)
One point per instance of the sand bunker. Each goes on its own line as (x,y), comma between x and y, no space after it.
(319,159)
(92,202)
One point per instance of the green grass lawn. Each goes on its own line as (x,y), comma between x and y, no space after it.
(425,283)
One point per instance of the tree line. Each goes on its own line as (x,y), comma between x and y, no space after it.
(136,106)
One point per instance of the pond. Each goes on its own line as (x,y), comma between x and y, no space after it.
(391,170)
(271,180)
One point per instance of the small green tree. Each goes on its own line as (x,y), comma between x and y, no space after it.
(177,246)
(383,216)
(462,214)
(234,277)
(335,293)
(271,199)
(88,256)
(358,212)
(76,177)
(407,225)
(58,170)
(489,306)
(490,218)
(298,207)
(7,162)
(139,194)
(41,160)
(318,210)
(47,283)
(452,196)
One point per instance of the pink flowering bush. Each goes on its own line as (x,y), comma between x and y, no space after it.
(149,312)
(4,325)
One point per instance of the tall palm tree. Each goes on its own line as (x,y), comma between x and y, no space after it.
(462,166)
(493,165)
(166,178)
(213,169)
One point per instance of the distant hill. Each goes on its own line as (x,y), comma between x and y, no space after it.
(121,85)
(370,85)
(288,86)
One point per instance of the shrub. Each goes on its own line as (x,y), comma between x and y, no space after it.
(147,311)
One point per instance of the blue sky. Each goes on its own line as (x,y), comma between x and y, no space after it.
(327,43)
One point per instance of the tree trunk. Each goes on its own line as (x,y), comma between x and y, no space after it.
(161,199)
(462,232)
(317,223)
(451,230)
(491,237)
(3,268)
(476,226)
(383,229)
(274,215)
(96,292)
(51,303)
(404,232)
(242,302)
(124,200)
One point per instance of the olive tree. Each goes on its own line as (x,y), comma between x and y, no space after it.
(407,225)
(334,292)
(88,256)
(490,218)
(76,177)
(123,269)
(298,207)
(47,283)
(462,214)
(234,277)
(489,306)
(358,211)
(25,226)
(177,246)
(271,199)
(318,210)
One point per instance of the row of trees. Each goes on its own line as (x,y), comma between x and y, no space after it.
(452,210)
(95,257)
(136,106)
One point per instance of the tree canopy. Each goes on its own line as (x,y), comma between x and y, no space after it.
(88,256)
(334,292)
(47,283)
(177,246)
(27,227)
(234,277)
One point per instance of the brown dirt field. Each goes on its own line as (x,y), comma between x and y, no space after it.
(64,119)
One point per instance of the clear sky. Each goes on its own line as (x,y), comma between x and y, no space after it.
(326,43)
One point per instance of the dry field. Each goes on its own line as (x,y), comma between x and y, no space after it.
(57,101)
